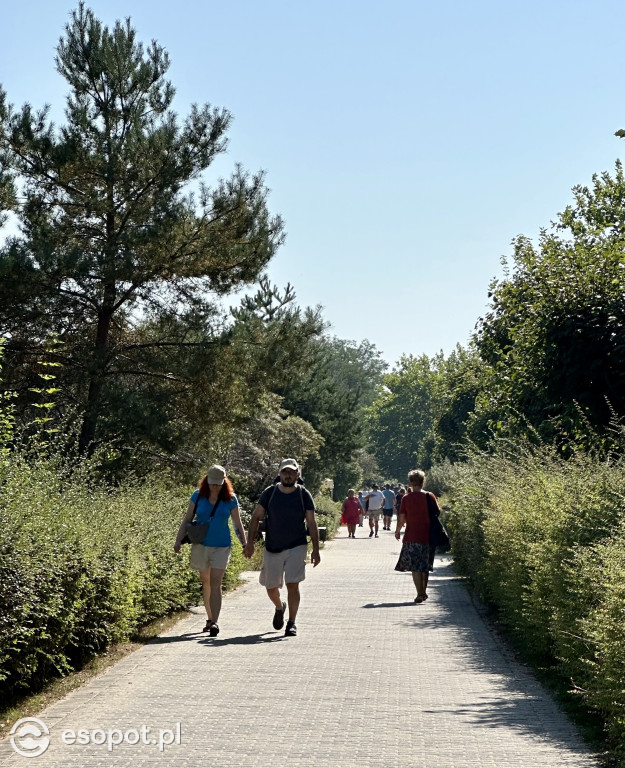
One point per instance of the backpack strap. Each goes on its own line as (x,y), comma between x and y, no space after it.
(271,493)
(300,488)
(301,498)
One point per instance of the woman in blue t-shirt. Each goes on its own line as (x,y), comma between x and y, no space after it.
(214,503)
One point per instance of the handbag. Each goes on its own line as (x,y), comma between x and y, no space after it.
(196,532)
(438,535)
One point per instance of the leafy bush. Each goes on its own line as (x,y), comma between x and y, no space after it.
(328,514)
(83,565)
(440,478)
(543,539)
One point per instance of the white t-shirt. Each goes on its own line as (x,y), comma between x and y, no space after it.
(376,500)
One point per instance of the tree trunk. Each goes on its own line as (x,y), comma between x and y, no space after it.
(97,372)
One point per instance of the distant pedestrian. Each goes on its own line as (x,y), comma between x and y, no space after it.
(398,497)
(351,512)
(389,503)
(415,552)
(363,508)
(214,502)
(375,501)
(287,508)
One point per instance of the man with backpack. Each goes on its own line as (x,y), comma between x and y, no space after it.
(288,510)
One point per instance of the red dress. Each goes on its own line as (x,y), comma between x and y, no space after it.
(351,511)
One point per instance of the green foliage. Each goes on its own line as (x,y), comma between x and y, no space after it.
(108,236)
(602,642)
(83,565)
(260,444)
(402,417)
(328,514)
(420,415)
(440,478)
(543,539)
(339,381)
(554,339)
(7,421)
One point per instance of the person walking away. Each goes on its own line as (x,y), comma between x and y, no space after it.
(375,501)
(287,510)
(389,503)
(214,502)
(415,552)
(363,508)
(398,497)
(351,513)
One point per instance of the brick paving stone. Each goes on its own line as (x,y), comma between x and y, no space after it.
(372,680)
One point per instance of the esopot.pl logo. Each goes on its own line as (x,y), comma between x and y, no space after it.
(29,737)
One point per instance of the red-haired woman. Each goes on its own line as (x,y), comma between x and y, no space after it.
(216,504)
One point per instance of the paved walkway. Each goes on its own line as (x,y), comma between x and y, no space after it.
(371,680)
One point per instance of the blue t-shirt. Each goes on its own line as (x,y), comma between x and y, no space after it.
(389,498)
(219,531)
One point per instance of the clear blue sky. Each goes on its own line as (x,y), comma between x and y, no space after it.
(405,143)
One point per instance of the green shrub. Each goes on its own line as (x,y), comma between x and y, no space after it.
(328,514)
(440,478)
(543,540)
(83,565)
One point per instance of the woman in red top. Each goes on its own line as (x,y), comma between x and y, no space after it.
(351,513)
(415,551)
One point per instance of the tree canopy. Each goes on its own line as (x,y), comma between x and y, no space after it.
(124,246)
(554,338)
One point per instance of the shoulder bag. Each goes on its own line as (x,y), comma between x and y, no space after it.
(438,535)
(196,532)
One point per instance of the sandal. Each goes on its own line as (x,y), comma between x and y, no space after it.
(209,624)
(418,599)
(214,630)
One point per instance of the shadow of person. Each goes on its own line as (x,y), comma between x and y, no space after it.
(243,640)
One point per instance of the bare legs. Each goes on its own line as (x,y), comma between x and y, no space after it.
(293,598)
(211,592)
(421,584)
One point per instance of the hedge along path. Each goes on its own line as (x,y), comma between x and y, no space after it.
(371,680)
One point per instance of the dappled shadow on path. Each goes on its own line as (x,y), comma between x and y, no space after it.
(512,698)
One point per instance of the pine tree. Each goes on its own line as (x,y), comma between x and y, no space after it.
(111,233)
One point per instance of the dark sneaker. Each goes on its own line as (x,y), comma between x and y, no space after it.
(291,629)
(213,630)
(278,617)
